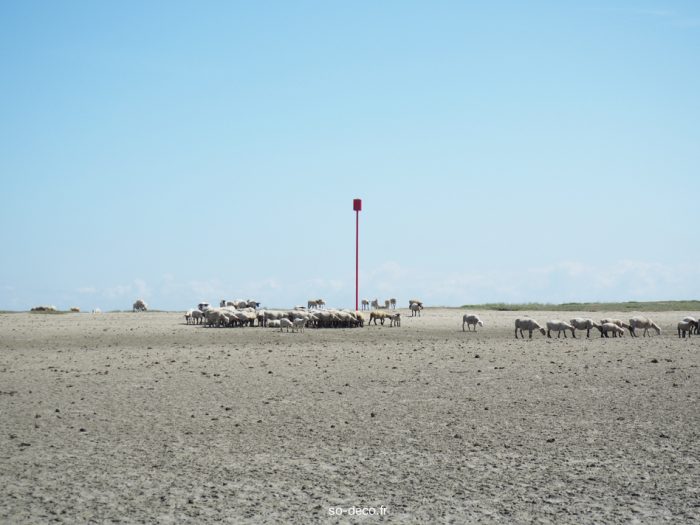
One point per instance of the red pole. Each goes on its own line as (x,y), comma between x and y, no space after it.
(357,259)
(357,206)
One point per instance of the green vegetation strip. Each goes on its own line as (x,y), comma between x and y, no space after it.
(629,306)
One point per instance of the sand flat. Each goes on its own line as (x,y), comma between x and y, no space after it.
(141,418)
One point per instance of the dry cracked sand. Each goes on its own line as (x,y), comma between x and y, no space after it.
(139,418)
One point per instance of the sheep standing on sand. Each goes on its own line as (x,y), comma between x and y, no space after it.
(696,328)
(392,302)
(559,327)
(395,319)
(612,328)
(139,306)
(529,325)
(365,304)
(299,325)
(470,320)
(286,323)
(375,304)
(687,326)
(580,323)
(643,322)
(381,316)
(416,308)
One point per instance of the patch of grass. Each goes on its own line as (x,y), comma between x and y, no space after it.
(627,306)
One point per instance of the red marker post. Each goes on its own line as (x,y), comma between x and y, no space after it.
(357,207)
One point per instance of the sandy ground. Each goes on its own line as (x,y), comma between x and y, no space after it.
(140,418)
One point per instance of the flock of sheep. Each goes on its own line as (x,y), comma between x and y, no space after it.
(315,315)
(607,327)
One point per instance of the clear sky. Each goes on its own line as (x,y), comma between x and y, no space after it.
(504,151)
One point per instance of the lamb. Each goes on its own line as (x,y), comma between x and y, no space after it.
(416,308)
(286,323)
(395,319)
(579,323)
(643,322)
(687,326)
(365,304)
(299,324)
(613,328)
(392,302)
(559,327)
(471,320)
(529,325)
(381,316)
(188,316)
(139,306)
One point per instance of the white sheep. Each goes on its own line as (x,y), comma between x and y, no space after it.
(580,323)
(643,322)
(558,326)
(392,302)
(286,323)
(415,309)
(96,311)
(375,304)
(529,325)
(470,320)
(197,316)
(299,324)
(365,304)
(613,328)
(188,316)
(395,319)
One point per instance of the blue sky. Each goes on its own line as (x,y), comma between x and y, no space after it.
(504,151)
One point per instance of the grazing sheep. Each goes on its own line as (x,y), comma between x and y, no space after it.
(365,304)
(415,309)
(643,322)
(559,327)
(613,328)
(299,324)
(529,325)
(75,309)
(395,319)
(392,302)
(286,323)
(274,323)
(580,323)
(139,306)
(687,326)
(470,320)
